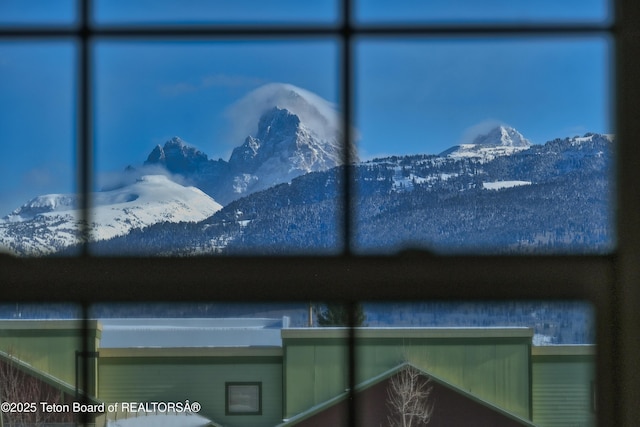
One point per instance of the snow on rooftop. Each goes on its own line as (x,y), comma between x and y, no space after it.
(191,332)
(166,420)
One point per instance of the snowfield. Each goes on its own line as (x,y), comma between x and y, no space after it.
(154,198)
(51,222)
(499,185)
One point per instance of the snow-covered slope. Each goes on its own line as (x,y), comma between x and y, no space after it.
(499,141)
(499,185)
(49,223)
(590,137)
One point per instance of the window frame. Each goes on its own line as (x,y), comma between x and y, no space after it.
(609,282)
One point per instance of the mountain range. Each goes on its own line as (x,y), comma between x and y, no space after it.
(297,132)
(550,198)
(280,192)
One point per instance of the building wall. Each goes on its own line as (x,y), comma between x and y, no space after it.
(552,385)
(177,375)
(493,364)
(49,345)
(563,381)
(315,370)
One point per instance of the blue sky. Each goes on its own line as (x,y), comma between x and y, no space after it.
(295,11)
(149,92)
(411,96)
(482,11)
(37,120)
(21,12)
(223,11)
(427,95)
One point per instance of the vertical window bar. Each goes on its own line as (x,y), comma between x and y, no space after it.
(347,85)
(84,138)
(86,351)
(351,364)
(626,291)
(84,171)
(347,115)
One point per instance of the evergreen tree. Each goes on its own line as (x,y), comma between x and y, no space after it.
(337,314)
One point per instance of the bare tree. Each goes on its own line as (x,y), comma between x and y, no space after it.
(408,398)
(17,386)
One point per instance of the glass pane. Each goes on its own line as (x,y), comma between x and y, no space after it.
(31,12)
(37,117)
(485,146)
(40,365)
(244,398)
(193,142)
(487,11)
(226,359)
(217,12)
(469,363)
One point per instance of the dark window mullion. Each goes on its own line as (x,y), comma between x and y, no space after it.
(346,78)
(84,170)
(84,132)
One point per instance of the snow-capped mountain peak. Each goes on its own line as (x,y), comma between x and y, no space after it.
(53,220)
(176,155)
(282,148)
(287,132)
(504,136)
(499,141)
(43,204)
(317,114)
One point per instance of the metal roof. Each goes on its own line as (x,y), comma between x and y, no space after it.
(412,332)
(190,332)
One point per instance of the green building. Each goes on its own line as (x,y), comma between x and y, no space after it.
(259,372)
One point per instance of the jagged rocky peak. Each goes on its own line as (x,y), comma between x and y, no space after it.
(176,155)
(287,132)
(274,125)
(318,116)
(285,145)
(278,120)
(504,136)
